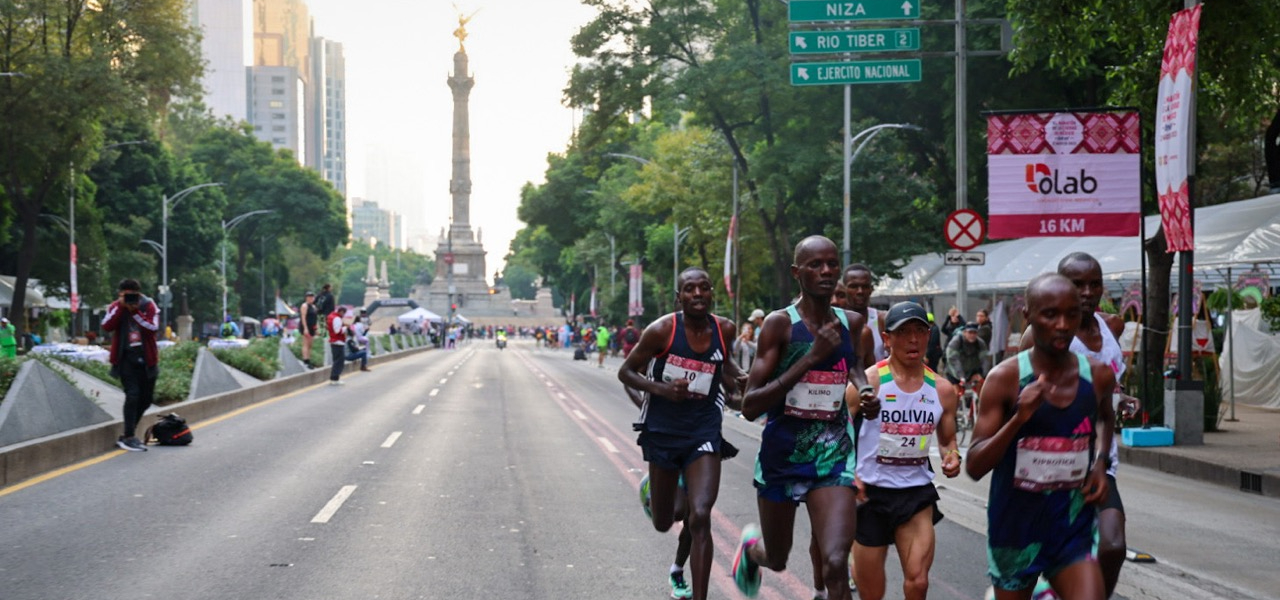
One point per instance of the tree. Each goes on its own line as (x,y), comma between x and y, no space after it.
(83,64)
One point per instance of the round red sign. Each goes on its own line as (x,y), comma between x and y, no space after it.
(964,229)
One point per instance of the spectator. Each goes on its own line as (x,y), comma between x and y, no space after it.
(746,346)
(229,330)
(270,325)
(630,337)
(953,323)
(337,342)
(308,325)
(8,339)
(133,320)
(933,351)
(984,326)
(602,343)
(756,319)
(967,356)
(324,302)
(358,342)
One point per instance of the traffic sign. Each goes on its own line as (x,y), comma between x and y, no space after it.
(845,73)
(964,229)
(837,10)
(970,259)
(448,258)
(857,40)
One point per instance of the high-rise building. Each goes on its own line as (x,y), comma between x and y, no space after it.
(227,47)
(327,151)
(276,99)
(372,225)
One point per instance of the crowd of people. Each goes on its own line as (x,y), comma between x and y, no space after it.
(854,407)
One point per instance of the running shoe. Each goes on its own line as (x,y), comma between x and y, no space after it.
(853,585)
(644,497)
(679,587)
(746,574)
(132,444)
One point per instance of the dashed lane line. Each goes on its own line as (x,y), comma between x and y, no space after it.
(417,410)
(608,445)
(391,439)
(334,504)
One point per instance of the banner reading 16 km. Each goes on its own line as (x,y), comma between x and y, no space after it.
(1063,174)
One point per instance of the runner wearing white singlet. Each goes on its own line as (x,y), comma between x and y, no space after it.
(895,478)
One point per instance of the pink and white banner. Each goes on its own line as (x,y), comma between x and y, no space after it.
(635,292)
(728,256)
(1174,151)
(1063,174)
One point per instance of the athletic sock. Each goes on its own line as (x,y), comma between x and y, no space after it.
(675,568)
(820,595)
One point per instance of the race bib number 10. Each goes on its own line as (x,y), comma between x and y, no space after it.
(699,374)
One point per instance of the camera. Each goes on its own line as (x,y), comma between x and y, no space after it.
(133,298)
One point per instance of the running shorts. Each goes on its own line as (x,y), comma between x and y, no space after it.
(887,509)
(675,452)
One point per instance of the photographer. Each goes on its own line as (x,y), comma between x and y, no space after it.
(133,320)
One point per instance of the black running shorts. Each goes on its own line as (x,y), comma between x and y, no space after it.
(887,509)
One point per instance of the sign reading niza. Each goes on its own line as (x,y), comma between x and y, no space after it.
(847,73)
(836,10)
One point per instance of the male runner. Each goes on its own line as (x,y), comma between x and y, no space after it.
(680,364)
(857,280)
(1037,426)
(893,458)
(1097,339)
(805,360)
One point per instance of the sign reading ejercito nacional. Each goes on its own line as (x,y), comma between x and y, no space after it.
(857,72)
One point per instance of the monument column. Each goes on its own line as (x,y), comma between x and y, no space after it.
(461,83)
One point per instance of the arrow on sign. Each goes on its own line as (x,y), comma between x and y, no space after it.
(802,73)
(801,44)
(906,8)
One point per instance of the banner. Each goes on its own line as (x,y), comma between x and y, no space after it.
(635,292)
(1065,174)
(593,300)
(728,256)
(1174,151)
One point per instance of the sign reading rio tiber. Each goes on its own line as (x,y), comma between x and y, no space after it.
(841,73)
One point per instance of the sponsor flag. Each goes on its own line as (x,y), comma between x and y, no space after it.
(635,291)
(728,256)
(573,304)
(593,299)
(1064,174)
(1174,151)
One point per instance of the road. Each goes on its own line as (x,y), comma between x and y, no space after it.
(479,473)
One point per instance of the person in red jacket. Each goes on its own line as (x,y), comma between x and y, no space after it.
(334,322)
(133,320)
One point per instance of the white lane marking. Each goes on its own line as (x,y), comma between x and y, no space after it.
(561,396)
(608,446)
(442,381)
(334,504)
(550,385)
(417,410)
(434,392)
(391,439)
(579,414)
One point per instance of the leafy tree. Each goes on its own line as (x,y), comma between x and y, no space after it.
(83,64)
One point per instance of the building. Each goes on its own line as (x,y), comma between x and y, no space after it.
(327,151)
(227,47)
(280,78)
(373,225)
(276,99)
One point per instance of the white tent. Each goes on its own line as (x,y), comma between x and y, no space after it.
(419,314)
(1243,234)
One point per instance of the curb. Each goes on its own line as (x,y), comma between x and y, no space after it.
(32,458)
(1264,483)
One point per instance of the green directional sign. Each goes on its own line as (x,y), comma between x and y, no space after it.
(859,40)
(845,73)
(866,10)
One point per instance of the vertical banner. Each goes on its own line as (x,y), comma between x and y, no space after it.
(1173,128)
(635,291)
(1064,174)
(573,305)
(728,256)
(75,289)
(593,299)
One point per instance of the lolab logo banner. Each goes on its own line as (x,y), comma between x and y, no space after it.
(1063,174)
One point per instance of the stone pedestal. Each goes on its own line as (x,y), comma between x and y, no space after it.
(1184,411)
(184,327)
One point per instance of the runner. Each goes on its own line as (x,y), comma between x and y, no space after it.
(901,505)
(1036,431)
(602,343)
(680,364)
(857,280)
(805,361)
(1097,339)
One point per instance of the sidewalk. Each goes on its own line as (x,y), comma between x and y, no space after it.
(1244,455)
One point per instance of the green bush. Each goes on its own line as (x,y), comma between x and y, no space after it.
(8,371)
(259,359)
(317,348)
(177,363)
(1271,312)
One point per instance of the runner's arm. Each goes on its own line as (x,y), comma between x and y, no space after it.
(1105,383)
(763,394)
(867,347)
(993,431)
(1027,340)
(653,341)
(868,404)
(947,429)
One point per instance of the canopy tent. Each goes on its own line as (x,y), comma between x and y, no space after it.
(419,314)
(1256,380)
(35,294)
(1243,234)
(461,320)
(284,310)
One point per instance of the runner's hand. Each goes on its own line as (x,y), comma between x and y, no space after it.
(868,403)
(1095,487)
(826,341)
(951,463)
(861,489)
(1129,406)
(1031,397)
(680,390)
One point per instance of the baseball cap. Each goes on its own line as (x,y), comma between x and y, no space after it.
(971,327)
(756,314)
(903,312)
(309,293)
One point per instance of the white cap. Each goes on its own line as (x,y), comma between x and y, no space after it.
(756,314)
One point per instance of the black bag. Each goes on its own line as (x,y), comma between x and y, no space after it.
(579,354)
(169,430)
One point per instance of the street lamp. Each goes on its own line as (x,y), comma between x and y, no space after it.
(167,204)
(227,226)
(678,233)
(866,135)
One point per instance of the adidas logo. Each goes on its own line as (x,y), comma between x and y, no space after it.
(1084,428)
(706,447)
(715,356)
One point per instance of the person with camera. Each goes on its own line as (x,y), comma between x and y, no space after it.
(133,320)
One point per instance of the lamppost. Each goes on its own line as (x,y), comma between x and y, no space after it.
(677,232)
(227,226)
(167,204)
(866,136)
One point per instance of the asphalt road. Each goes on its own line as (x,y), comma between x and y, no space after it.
(466,474)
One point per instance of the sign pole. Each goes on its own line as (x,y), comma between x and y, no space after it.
(962,201)
(844,158)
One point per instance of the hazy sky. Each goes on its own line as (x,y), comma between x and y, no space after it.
(399,54)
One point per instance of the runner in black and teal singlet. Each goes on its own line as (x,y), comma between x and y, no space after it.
(1039,416)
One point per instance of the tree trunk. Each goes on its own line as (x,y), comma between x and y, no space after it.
(30,217)
(1271,152)
(1155,315)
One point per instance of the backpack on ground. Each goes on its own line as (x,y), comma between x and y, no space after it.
(579,354)
(169,430)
